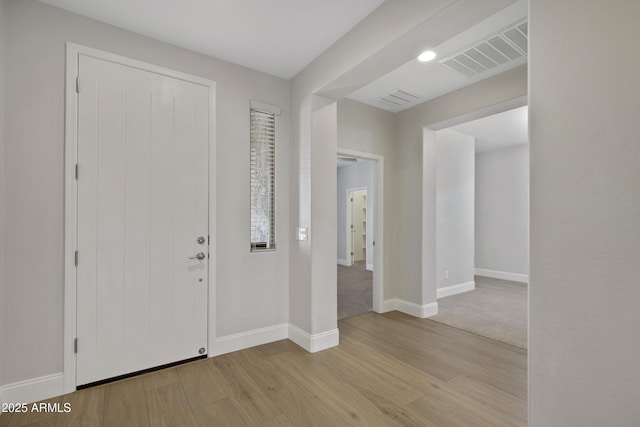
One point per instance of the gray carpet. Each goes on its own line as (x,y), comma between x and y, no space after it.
(496,309)
(355,290)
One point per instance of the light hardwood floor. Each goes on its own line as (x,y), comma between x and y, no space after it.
(389,369)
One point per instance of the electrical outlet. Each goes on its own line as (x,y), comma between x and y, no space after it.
(446,275)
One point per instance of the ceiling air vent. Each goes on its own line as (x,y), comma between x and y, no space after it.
(397,99)
(508,45)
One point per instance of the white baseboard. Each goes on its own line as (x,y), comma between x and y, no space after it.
(33,390)
(514,277)
(455,289)
(413,309)
(369,267)
(344,262)
(242,340)
(315,342)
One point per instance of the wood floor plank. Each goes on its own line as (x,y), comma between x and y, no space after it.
(345,366)
(125,404)
(221,413)
(349,407)
(442,370)
(490,397)
(87,408)
(168,406)
(160,378)
(49,422)
(301,406)
(389,369)
(202,385)
(252,402)
(402,414)
(277,347)
(398,340)
(281,421)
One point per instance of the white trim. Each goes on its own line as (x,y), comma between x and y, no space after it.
(455,289)
(369,267)
(411,308)
(33,390)
(71,196)
(316,342)
(504,275)
(265,108)
(344,262)
(378,222)
(243,340)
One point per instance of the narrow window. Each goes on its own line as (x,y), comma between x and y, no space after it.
(263,180)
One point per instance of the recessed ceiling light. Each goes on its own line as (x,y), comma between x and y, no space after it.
(427,56)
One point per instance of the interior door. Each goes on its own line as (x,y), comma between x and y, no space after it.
(142,219)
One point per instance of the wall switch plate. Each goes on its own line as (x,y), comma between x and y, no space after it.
(446,275)
(303,234)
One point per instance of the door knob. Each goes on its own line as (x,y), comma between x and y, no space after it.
(199,255)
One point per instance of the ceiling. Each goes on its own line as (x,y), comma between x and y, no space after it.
(501,130)
(278,37)
(416,82)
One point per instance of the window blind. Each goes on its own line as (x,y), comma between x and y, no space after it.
(263,180)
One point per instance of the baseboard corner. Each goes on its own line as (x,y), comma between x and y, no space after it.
(455,289)
(316,342)
(244,340)
(503,275)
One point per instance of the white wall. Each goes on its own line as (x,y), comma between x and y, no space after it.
(585,213)
(502,210)
(359,175)
(252,288)
(455,176)
(3,51)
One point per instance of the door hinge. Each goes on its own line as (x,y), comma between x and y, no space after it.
(77,171)
(76,258)
(75,346)
(351,253)
(77,84)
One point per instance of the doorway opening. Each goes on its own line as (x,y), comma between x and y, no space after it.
(482,268)
(359,254)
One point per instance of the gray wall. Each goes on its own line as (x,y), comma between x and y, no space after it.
(3,51)
(455,154)
(585,213)
(359,175)
(502,210)
(252,288)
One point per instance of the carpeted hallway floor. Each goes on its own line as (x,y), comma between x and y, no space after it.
(496,309)
(355,290)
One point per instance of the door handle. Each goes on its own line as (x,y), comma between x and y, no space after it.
(199,255)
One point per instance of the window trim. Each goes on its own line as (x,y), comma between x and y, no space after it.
(258,247)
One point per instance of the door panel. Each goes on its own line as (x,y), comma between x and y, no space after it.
(142,203)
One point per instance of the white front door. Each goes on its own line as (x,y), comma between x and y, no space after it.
(142,219)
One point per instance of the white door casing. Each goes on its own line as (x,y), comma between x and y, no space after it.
(378,223)
(143,199)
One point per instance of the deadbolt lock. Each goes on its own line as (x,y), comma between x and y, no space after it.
(201,240)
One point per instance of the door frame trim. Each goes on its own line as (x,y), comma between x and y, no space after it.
(378,220)
(73,51)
